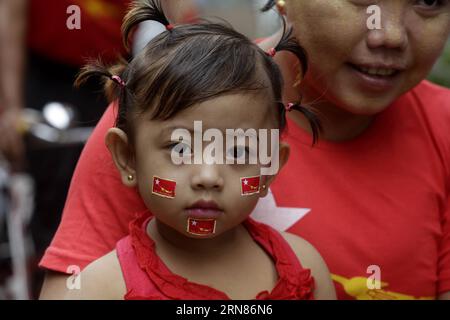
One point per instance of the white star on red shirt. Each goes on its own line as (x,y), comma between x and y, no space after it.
(279,218)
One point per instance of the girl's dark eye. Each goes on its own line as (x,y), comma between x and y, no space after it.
(181,148)
(238,152)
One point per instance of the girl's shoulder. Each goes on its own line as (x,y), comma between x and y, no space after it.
(96,280)
(311,259)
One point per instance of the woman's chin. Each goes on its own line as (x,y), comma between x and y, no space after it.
(364,106)
(358,102)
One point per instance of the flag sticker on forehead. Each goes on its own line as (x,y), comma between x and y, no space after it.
(163,187)
(249,185)
(201,227)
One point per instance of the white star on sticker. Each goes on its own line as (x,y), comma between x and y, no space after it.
(194,223)
(157,181)
(246,182)
(279,218)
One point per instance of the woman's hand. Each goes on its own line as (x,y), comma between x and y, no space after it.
(11,141)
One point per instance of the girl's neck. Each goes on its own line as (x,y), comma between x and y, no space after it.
(338,124)
(170,239)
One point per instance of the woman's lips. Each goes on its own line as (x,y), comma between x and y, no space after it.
(375,78)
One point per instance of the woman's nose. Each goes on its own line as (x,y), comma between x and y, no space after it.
(207,177)
(393,33)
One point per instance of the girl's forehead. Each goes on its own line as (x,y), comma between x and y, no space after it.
(230,109)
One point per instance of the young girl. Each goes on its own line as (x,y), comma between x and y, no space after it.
(196,240)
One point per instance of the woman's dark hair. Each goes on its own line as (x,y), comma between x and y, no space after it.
(189,64)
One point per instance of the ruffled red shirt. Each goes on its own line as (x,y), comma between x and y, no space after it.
(148,278)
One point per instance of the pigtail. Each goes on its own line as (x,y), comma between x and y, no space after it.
(143,10)
(113,83)
(269,5)
(310,115)
(290,43)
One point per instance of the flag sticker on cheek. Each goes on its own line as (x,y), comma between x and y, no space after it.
(201,227)
(249,185)
(163,187)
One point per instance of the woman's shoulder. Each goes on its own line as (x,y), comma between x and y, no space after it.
(430,90)
(432,109)
(311,259)
(96,280)
(432,99)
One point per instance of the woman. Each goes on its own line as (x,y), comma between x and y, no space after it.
(377,208)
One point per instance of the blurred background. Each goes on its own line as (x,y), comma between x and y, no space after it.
(45,122)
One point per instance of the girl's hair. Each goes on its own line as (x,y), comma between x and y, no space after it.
(189,64)
(269,5)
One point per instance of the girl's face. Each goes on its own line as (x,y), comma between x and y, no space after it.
(344,54)
(214,184)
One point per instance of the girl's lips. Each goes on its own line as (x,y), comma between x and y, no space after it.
(204,209)
(374,82)
(203,213)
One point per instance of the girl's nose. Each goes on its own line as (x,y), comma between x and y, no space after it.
(207,177)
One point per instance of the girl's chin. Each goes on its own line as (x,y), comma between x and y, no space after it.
(200,237)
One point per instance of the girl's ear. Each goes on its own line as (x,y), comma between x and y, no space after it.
(119,146)
(266,181)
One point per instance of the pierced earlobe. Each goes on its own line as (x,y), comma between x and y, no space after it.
(281,6)
(129,180)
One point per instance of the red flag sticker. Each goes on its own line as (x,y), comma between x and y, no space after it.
(164,187)
(201,227)
(249,185)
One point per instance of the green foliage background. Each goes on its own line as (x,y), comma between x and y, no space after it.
(441,71)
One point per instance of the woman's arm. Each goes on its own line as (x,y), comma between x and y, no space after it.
(311,259)
(101,280)
(13,14)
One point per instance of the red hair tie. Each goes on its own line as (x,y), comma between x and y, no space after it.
(169,27)
(271,52)
(289,106)
(118,80)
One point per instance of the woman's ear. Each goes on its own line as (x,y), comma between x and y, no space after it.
(266,181)
(122,153)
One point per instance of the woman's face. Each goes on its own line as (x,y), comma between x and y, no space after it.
(360,70)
